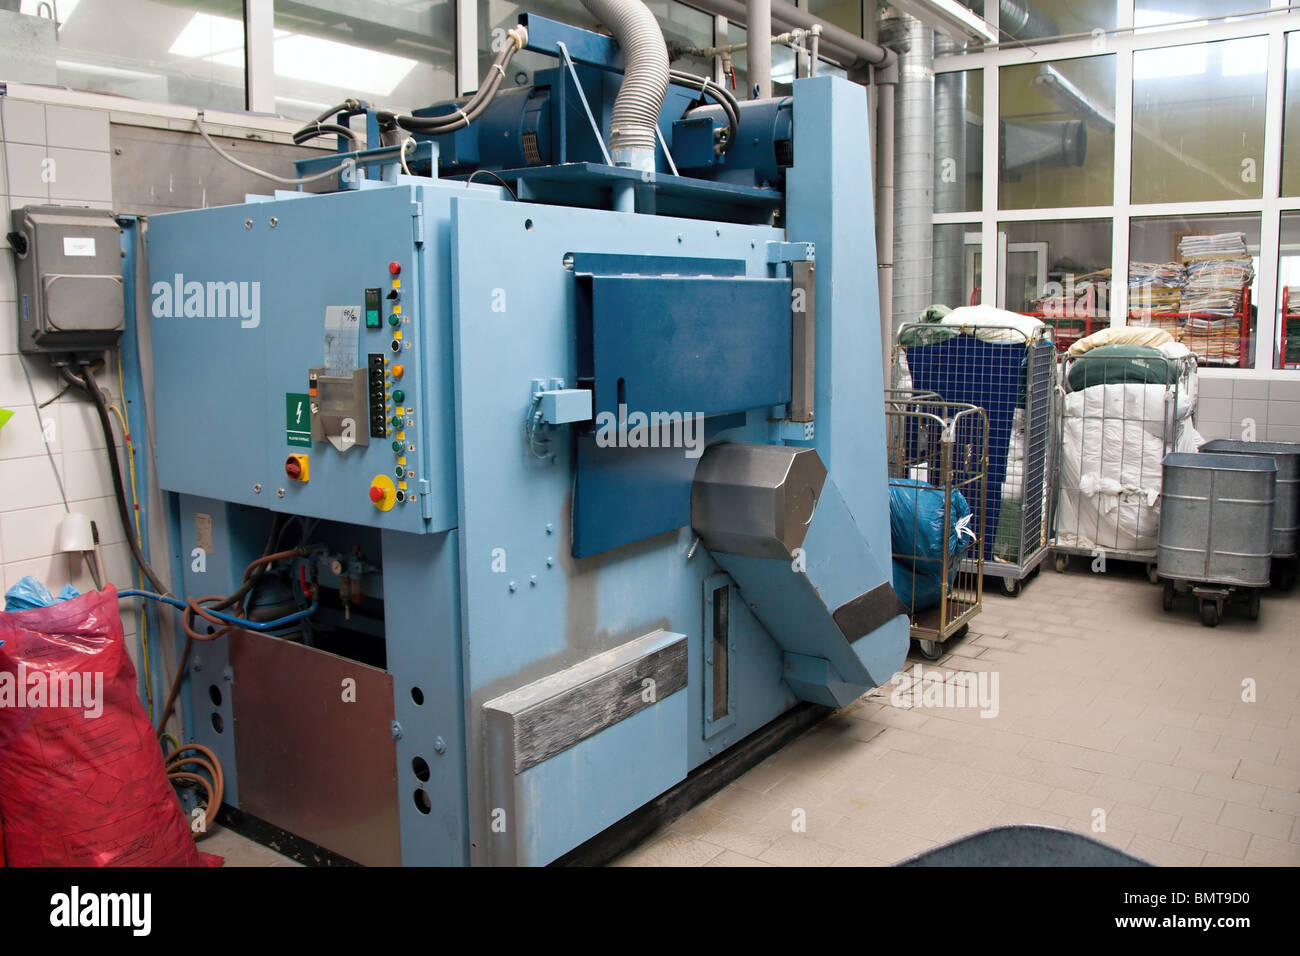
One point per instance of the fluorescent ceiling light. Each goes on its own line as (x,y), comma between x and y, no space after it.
(950,17)
(297,56)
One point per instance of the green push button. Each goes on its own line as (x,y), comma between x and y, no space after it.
(399,471)
(397,447)
(397,421)
(394,319)
(399,396)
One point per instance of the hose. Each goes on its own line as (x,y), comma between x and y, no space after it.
(720,95)
(213,785)
(285,180)
(473,108)
(635,116)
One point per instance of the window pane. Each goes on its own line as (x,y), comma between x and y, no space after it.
(1286,353)
(1291,120)
(1058,134)
(1060,272)
(956,264)
(397,54)
(958,141)
(1195,277)
(846,14)
(1189,13)
(1054,18)
(1198,121)
(187,53)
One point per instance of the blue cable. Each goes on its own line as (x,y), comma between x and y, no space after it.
(227,618)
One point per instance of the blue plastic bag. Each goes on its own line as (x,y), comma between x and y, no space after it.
(29,593)
(916,525)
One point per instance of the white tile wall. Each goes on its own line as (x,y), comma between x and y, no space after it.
(1272,404)
(77,141)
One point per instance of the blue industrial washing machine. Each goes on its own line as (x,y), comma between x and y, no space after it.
(582,464)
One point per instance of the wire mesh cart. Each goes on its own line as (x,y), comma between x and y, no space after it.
(1123,408)
(937,491)
(1010,372)
(1216,530)
(1286,508)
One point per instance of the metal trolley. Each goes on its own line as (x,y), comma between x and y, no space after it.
(933,442)
(1120,414)
(1011,374)
(1216,530)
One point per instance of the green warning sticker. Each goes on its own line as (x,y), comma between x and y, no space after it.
(297,419)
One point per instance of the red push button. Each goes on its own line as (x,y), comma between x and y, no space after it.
(394,268)
(377,494)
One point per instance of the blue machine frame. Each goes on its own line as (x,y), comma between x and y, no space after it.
(528,579)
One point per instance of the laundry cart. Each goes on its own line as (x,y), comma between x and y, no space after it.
(1216,530)
(1005,364)
(1286,509)
(937,492)
(1123,408)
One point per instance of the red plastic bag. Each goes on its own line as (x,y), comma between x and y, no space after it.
(81,775)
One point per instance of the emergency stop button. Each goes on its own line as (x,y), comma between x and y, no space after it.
(295,466)
(383,493)
(394,268)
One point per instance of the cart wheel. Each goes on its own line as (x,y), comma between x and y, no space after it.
(1252,605)
(1062,562)
(1167,602)
(1152,576)
(930,650)
(1209,614)
(1011,587)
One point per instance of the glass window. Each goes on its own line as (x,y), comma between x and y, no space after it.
(1195,277)
(958,141)
(845,14)
(956,264)
(1188,13)
(1059,272)
(188,53)
(1198,121)
(1058,134)
(398,54)
(1286,350)
(1291,119)
(1054,18)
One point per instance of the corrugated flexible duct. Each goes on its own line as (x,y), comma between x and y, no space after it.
(645,79)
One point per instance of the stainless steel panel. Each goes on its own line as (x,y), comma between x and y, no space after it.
(1216,518)
(308,761)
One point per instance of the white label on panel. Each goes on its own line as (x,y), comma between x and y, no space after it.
(78,246)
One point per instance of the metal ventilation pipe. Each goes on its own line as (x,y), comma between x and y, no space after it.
(645,79)
(950,171)
(1021,21)
(758,19)
(913,164)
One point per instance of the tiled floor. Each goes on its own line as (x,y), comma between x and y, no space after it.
(1110,710)
(1105,703)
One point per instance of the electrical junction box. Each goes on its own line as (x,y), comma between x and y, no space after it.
(69,265)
